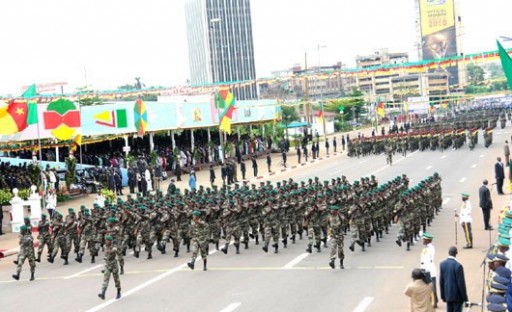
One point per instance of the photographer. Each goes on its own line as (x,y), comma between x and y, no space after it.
(419,290)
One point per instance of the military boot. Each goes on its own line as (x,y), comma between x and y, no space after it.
(16,276)
(317,246)
(162,250)
(276,248)
(300,235)
(398,242)
(225,249)
(66,260)
(38,259)
(188,246)
(257,239)
(176,251)
(285,242)
(32,276)
(331,263)
(150,256)
(363,247)
(324,240)
(309,249)
(124,252)
(246,243)
(251,235)
(341,263)
(377,237)
(408,246)
(118,296)
(265,248)
(15,262)
(293,239)
(93,259)
(102,294)
(122,270)
(50,259)
(191,264)
(237,246)
(204,265)
(136,254)
(369,242)
(79,258)
(217,245)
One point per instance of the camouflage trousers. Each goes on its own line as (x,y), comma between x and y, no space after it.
(59,242)
(155,235)
(337,246)
(170,235)
(314,233)
(114,271)
(87,240)
(72,240)
(199,245)
(45,240)
(142,238)
(271,231)
(26,253)
(234,231)
(215,232)
(358,233)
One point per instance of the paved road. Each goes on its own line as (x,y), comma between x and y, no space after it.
(291,280)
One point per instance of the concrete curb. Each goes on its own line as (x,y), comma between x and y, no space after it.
(13,251)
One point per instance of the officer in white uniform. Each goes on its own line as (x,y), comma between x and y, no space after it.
(427,263)
(465,220)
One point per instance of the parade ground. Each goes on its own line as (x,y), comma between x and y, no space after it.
(291,280)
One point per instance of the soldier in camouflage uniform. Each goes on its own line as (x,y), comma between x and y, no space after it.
(336,224)
(26,252)
(312,222)
(200,234)
(70,231)
(271,224)
(231,216)
(58,238)
(86,237)
(44,237)
(142,229)
(114,230)
(111,267)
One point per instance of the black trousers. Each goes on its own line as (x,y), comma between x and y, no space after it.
(499,186)
(255,169)
(454,306)
(487,217)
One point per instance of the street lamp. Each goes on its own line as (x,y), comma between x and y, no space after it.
(321,89)
(215,75)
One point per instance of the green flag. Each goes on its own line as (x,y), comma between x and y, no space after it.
(506,63)
(30,92)
(32,113)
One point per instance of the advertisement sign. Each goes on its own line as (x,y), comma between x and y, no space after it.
(437,19)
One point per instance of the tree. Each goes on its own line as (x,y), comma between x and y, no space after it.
(125,87)
(289,115)
(88,101)
(475,74)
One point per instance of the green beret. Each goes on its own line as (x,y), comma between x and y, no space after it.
(427,235)
(95,206)
(82,207)
(26,219)
(196,213)
(335,208)
(111,220)
(71,210)
(464,194)
(109,237)
(23,228)
(87,213)
(43,215)
(320,196)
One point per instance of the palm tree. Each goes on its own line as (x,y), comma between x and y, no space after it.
(139,85)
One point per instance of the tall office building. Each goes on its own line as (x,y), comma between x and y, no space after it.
(220,45)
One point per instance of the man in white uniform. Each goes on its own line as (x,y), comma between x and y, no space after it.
(427,263)
(465,220)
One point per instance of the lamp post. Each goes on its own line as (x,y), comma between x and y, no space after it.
(215,76)
(321,90)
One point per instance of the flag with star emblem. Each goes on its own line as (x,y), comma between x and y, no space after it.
(14,117)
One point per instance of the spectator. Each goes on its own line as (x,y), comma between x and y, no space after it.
(269,161)
(192,182)
(242,169)
(419,292)
(485,203)
(506,151)
(499,173)
(51,203)
(334,144)
(212,175)
(343,142)
(254,165)
(298,154)
(452,282)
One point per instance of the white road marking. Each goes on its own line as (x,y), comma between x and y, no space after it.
(428,168)
(231,307)
(473,166)
(295,261)
(387,166)
(446,201)
(462,180)
(143,285)
(481,155)
(443,157)
(362,162)
(363,305)
(84,271)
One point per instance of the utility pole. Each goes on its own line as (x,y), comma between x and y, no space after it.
(306,92)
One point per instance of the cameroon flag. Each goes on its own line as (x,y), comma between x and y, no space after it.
(16,116)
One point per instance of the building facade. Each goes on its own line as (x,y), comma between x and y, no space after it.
(220,44)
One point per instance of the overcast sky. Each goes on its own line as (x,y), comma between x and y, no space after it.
(117,40)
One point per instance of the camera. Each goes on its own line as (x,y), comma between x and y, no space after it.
(425,276)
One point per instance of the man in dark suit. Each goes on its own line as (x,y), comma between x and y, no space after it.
(485,203)
(254,165)
(499,173)
(452,282)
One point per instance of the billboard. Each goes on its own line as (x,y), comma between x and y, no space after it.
(438,35)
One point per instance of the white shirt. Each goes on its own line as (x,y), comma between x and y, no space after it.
(100,200)
(428,254)
(465,212)
(147,176)
(51,201)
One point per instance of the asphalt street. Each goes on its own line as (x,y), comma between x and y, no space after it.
(292,280)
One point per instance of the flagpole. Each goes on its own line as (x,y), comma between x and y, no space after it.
(80,145)
(40,158)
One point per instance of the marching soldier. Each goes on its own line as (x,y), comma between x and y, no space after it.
(44,237)
(111,268)
(26,252)
(337,225)
(199,230)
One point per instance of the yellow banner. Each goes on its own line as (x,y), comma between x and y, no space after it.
(436,15)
